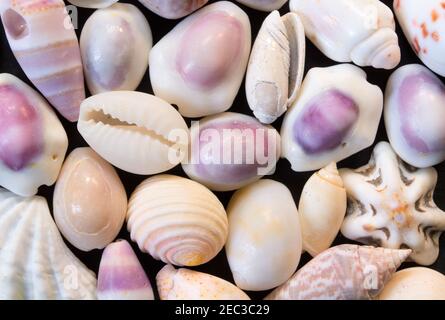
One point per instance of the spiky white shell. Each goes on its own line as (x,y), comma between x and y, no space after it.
(93,3)
(264,5)
(173,9)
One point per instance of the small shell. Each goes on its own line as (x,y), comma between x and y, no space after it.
(115,45)
(173,9)
(231,150)
(415,284)
(276,66)
(199,65)
(177,220)
(184,284)
(336,115)
(263,5)
(33,142)
(89,201)
(322,209)
(94,4)
(121,276)
(346,272)
(134,131)
(264,244)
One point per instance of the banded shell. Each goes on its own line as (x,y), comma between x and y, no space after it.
(136,132)
(263,5)
(276,66)
(199,65)
(346,272)
(89,201)
(33,142)
(52,62)
(322,209)
(177,220)
(336,115)
(173,9)
(94,4)
(35,263)
(184,284)
(264,243)
(115,44)
(231,150)
(361,31)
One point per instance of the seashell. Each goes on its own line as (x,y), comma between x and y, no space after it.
(177,220)
(322,209)
(52,62)
(391,204)
(173,9)
(184,284)
(115,44)
(263,5)
(424,27)
(90,203)
(94,4)
(231,150)
(35,263)
(336,115)
(264,243)
(276,66)
(415,284)
(199,66)
(361,31)
(121,276)
(33,142)
(414,113)
(346,272)
(134,131)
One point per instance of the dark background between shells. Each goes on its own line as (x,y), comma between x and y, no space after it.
(294,181)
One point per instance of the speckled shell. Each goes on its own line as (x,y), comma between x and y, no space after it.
(89,201)
(93,3)
(264,5)
(184,284)
(33,142)
(177,220)
(35,263)
(173,9)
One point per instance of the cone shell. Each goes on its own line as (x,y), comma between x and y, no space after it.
(96,4)
(52,62)
(173,9)
(177,220)
(264,5)
(184,284)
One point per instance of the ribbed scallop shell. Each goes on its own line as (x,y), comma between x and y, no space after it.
(177,220)
(34,261)
(93,3)
(173,9)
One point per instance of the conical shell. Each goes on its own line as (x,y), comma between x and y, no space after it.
(263,5)
(173,9)
(96,4)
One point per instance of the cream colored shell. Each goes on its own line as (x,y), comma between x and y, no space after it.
(93,3)
(264,5)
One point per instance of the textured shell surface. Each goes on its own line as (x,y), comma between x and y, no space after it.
(346,272)
(424,26)
(415,284)
(177,220)
(115,44)
(276,66)
(322,209)
(121,275)
(231,150)
(136,132)
(33,142)
(336,115)
(95,4)
(390,204)
(52,62)
(35,263)
(185,284)
(90,203)
(199,65)
(173,9)
(263,5)
(414,113)
(264,243)
(361,31)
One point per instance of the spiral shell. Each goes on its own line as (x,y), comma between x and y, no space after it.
(173,9)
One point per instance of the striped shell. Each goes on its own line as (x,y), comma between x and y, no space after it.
(173,9)
(177,220)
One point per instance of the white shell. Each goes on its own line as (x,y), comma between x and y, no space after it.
(115,44)
(173,9)
(27,116)
(177,220)
(134,131)
(184,284)
(199,65)
(276,66)
(336,115)
(361,31)
(424,27)
(322,209)
(95,4)
(264,244)
(34,261)
(263,5)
